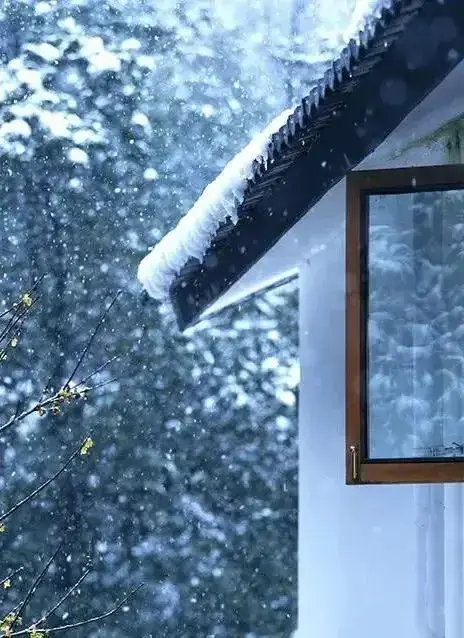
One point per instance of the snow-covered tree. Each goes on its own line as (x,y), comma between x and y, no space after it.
(113,118)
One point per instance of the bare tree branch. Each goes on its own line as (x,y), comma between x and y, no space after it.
(37,283)
(103,383)
(46,388)
(90,341)
(7,311)
(65,393)
(81,623)
(33,588)
(44,485)
(99,369)
(62,599)
(16,321)
(59,397)
(50,401)
(20,309)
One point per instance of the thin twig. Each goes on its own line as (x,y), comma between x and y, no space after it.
(103,383)
(62,599)
(46,388)
(92,337)
(10,576)
(99,369)
(16,310)
(55,398)
(17,409)
(20,417)
(7,311)
(17,307)
(81,623)
(33,587)
(18,318)
(44,485)
(12,611)
(37,283)
(58,397)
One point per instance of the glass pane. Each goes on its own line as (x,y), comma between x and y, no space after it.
(416,325)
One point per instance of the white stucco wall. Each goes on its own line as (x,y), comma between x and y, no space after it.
(356,544)
(377,561)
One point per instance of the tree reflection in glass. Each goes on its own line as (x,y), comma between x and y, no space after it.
(415,306)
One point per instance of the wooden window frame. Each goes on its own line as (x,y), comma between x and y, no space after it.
(359,185)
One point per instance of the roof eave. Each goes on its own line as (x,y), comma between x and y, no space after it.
(374,104)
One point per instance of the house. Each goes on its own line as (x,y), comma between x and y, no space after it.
(359,191)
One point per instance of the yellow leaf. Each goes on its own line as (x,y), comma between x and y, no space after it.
(36,633)
(5,624)
(7,584)
(80,393)
(14,342)
(27,299)
(86,446)
(2,528)
(65,395)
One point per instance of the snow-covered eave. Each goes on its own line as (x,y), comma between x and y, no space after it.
(220,200)
(193,234)
(277,232)
(316,232)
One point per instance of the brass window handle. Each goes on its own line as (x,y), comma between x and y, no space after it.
(354,462)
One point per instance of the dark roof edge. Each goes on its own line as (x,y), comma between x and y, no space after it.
(286,279)
(416,45)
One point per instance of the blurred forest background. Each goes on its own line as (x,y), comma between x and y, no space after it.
(114,115)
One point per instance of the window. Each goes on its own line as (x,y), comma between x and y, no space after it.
(405,325)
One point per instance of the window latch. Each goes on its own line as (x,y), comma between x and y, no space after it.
(354,462)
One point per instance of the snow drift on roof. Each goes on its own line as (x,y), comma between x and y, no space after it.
(192,235)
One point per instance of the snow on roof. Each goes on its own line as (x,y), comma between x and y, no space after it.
(192,235)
